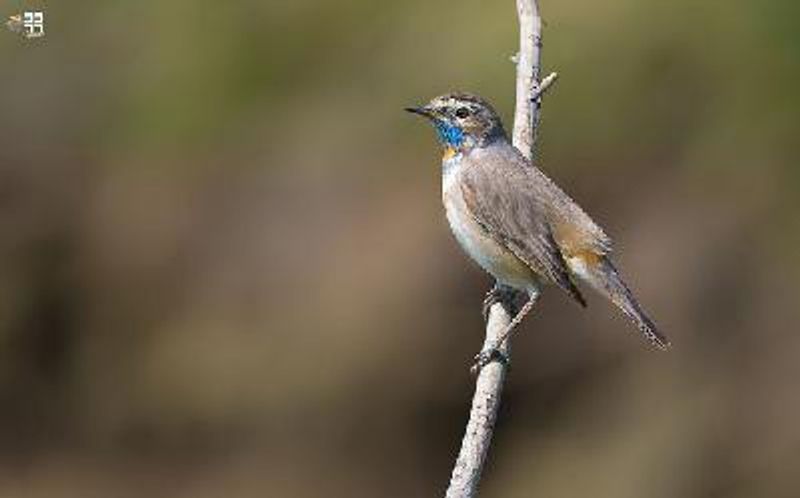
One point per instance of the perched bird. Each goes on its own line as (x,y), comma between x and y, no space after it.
(514,221)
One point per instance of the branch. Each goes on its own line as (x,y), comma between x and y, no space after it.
(526,112)
(489,384)
(485,402)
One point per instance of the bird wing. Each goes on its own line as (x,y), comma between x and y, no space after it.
(502,199)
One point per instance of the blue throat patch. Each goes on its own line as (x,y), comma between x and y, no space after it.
(450,135)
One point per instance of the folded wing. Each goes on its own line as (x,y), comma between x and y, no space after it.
(503,201)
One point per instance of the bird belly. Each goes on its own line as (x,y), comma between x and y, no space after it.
(492,256)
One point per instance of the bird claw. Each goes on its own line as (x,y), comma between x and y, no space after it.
(487,356)
(488,302)
(496,294)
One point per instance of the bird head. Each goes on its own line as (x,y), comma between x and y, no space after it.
(462,121)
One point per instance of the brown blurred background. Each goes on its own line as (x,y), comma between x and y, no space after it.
(226,270)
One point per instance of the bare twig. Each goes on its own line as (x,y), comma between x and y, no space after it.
(543,86)
(478,436)
(489,384)
(526,113)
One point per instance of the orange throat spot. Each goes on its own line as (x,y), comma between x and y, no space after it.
(449,153)
(589,257)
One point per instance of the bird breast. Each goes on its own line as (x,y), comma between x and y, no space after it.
(476,242)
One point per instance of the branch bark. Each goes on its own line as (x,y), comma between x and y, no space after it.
(489,384)
(485,402)
(526,112)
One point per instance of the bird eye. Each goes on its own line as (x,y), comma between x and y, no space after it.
(462,112)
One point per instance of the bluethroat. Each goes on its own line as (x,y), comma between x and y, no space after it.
(514,221)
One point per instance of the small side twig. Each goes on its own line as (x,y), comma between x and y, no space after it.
(546,83)
(489,384)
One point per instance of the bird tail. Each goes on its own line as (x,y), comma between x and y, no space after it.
(605,278)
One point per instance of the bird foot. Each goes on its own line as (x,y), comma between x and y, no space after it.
(497,294)
(487,356)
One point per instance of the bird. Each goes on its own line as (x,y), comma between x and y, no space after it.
(515,222)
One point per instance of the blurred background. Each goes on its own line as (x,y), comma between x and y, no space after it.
(226,269)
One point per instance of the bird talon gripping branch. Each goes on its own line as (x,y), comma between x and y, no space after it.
(487,356)
(498,294)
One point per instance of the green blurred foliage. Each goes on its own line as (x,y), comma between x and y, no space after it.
(226,271)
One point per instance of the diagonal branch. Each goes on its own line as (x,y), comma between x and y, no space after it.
(478,436)
(489,384)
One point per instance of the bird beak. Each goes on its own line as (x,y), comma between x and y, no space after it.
(421,110)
